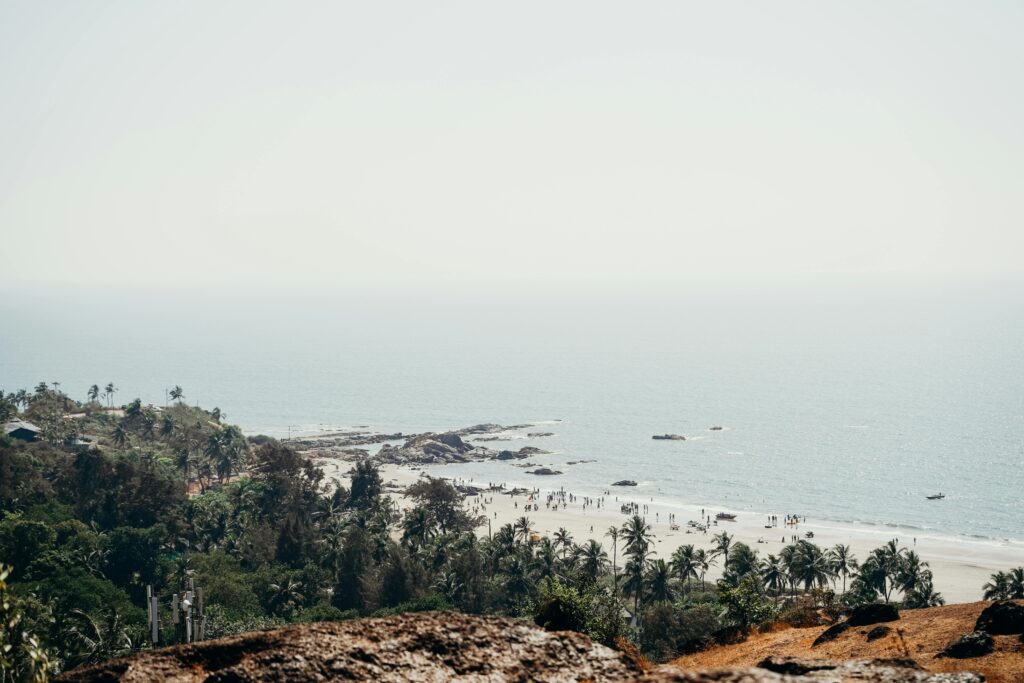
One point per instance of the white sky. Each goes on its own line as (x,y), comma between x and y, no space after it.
(475,142)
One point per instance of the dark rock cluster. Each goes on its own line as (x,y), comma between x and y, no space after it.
(977,644)
(1001,618)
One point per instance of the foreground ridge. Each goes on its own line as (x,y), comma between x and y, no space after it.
(441,646)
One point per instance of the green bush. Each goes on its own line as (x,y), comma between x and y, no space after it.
(670,630)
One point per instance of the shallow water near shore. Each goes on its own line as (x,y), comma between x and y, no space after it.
(844,406)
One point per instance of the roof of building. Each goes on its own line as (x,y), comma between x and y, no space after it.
(15,425)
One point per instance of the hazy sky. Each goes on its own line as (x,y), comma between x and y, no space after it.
(477,142)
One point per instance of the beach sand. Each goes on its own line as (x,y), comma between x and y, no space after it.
(960,566)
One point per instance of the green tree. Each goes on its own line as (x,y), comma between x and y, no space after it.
(842,562)
(521,528)
(94,392)
(366,485)
(773,574)
(744,604)
(563,540)
(177,393)
(636,533)
(593,560)
(613,533)
(659,582)
(22,655)
(684,564)
(703,562)
(723,543)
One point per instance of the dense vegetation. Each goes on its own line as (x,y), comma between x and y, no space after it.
(110,501)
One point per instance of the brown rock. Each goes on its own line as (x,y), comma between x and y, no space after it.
(432,646)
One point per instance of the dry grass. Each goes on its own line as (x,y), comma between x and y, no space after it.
(919,634)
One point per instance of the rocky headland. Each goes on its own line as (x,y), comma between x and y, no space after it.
(427,448)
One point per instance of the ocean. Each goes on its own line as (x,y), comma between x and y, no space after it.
(840,403)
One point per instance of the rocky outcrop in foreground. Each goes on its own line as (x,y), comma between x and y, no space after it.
(456,647)
(433,646)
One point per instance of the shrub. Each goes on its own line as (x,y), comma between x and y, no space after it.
(672,630)
(745,605)
(22,656)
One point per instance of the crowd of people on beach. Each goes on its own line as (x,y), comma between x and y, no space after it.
(561,499)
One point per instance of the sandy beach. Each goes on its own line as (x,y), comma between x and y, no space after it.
(960,566)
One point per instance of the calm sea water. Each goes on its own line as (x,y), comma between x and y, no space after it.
(841,403)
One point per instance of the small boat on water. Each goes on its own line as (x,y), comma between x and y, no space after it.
(726,516)
(937,496)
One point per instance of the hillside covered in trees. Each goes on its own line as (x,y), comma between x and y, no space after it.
(108,501)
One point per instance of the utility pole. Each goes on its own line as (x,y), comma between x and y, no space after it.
(189,614)
(153,612)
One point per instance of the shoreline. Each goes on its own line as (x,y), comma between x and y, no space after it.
(960,565)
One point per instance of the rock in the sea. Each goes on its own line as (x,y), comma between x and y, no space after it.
(831,633)
(669,437)
(625,482)
(543,470)
(977,644)
(1001,618)
(716,428)
(452,440)
(878,632)
(536,435)
(509,455)
(872,613)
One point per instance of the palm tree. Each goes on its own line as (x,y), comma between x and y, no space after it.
(1017,583)
(418,526)
(659,582)
(545,561)
(120,435)
(109,392)
(613,532)
(810,566)
(998,587)
(702,563)
(637,535)
(774,575)
(563,539)
(94,392)
(285,596)
(634,574)
(842,561)
(517,580)
(177,393)
(593,559)
(912,574)
(684,564)
(181,571)
(167,426)
(723,542)
(94,640)
(521,528)
(888,563)
(924,595)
